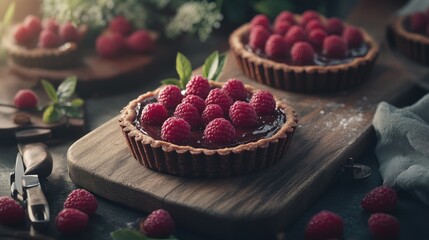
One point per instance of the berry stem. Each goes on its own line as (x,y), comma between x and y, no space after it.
(8,105)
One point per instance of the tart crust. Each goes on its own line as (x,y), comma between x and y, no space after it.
(302,78)
(188,161)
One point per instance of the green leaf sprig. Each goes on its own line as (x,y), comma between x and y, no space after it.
(61,103)
(212,68)
(131,234)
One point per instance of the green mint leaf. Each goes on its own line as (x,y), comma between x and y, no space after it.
(66,88)
(210,65)
(184,69)
(171,81)
(222,60)
(127,234)
(77,102)
(52,114)
(73,112)
(50,91)
(272,8)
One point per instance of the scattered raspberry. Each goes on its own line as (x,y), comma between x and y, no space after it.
(159,224)
(258,37)
(199,86)
(211,112)
(22,34)
(334,47)
(276,46)
(316,38)
(50,24)
(334,26)
(383,226)
(380,199)
(219,132)
(196,101)
(242,114)
(33,24)
(110,45)
(69,33)
(309,15)
(82,200)
(176,130)
(263,102)
(260,20)
(324,225)
(219,97)
(70,221)
(170,96)
(353,37)
(25,99)
(235,89)
(120,25)
(154,114)
(285,16)
(140,42)
(314,24)
(418,22)
(189,113)
(295,34)
(11,212)
(282,27)
(302,53)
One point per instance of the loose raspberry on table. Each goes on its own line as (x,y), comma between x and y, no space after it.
(110,45)
(82,200)
(154,114)
(380,199)
(285,16)
(25,99)
(49,39)
(219,132)
(419,22)
(196,101)
(33,24)
(235,89)
(199,86)
(282,27)
(219,97)
(276,46)
(11,212)
(334,47)
(176,130)
(309,15)
(243,114)
(121,25)
(314,24)
(323,226)
(263,102)
(295,34)
(260,20)
(316,38)
(258,37)
(50,24)
(353,37)
(140,42)
(159,224)
(189,113)
(302,53)
(22,34)
(71,221)
(211,112)
(170,96)
(334,26)
(69,33)
(383,226)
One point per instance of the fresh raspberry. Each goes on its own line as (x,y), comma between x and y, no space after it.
(295,34)
(82,200)
(50,24)
(260,20)
(25,99)
(219,132)
(324,225)
(334,47)
(282,27)
(199,86)
(219,97)
(276,46)
(309,15)
(71,221)
(380,199)
(33,24)
(22,34)
(195,101)
(120,25)
(211,112)
(302,53)
(154,114)
(334,26)
(383,226)
(176,130)
(258,37)
(110,45)
(49,39)
(263,102)
(140,42)
(159,224)
(314,24)
(242,114)
(170,96)
(11,212)
(189,113)
(418,22)
(285,16)
(235,89)
(69,33)
(353,37)
(316,38)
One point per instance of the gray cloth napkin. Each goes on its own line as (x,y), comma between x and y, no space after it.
(403,146)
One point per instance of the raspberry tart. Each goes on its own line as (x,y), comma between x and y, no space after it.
(304,53)
(208,130)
